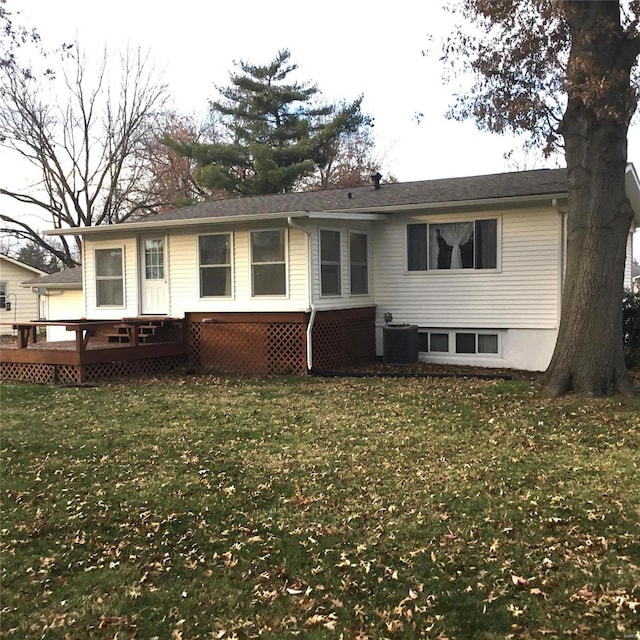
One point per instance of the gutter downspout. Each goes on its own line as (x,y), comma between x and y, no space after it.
(312,306)
(562,212)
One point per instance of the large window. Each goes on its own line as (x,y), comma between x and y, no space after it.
(109,277)
(452,245)
(214,253)
(358,263)
(3,295)
(268,263)
(330,271)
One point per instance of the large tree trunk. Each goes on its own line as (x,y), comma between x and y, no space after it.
(589,356)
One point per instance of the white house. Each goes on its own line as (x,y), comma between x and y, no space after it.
(61,298)
(17,304)
(475,263)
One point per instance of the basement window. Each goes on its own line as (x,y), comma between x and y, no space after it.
(443,342)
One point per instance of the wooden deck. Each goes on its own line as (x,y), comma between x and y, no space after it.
(101,350)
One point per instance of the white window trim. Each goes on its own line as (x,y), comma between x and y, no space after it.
(340,263)
(96,277)
(231,294)
(452,342)
(279,296)
(3,285)
(368,264)
(441,272)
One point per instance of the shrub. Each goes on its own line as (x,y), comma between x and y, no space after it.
(631,328)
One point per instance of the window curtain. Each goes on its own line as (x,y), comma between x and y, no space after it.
(455,235)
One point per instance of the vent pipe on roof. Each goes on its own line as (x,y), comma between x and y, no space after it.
(376,177)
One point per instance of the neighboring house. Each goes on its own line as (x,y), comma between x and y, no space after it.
(17,304)
(476,263)
(60,299)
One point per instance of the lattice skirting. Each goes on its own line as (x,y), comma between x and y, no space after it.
(257,347)
(264,343)
(74,374)
(344,338)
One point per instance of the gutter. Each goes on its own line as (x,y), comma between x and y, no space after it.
(125,227)
(312,306)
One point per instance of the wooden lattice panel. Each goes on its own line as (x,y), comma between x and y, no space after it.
(67,374)
(34,372)
(340,342)
(257,348)
(286,348)
(72,374)
(146,367)
(238,347)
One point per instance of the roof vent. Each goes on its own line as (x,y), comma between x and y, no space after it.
(376,177)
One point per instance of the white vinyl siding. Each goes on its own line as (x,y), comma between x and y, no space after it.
(184,274)
(522,292)
(63,304)
(628,264)
(23,301)
(130,305)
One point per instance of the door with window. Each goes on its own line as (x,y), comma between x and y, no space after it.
(154,276)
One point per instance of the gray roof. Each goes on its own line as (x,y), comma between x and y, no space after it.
(448,190)
(65,279)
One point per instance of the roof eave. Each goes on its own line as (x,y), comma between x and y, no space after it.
(457,204)
(168,224)
(359,213)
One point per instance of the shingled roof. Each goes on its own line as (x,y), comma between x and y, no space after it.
(65,279)
(389,196)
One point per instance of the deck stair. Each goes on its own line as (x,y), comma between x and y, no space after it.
(124,332)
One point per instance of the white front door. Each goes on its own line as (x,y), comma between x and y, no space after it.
(154,276)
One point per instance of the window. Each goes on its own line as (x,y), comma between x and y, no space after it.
(330,276)
(154,258)
(3,295)
(358,263)
(214,253)
(268,264)
(109,277)
(464,342)
(439,342)
(452,245)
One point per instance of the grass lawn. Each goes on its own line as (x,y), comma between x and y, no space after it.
(347,508)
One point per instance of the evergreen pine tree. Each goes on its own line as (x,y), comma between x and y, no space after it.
(274,133)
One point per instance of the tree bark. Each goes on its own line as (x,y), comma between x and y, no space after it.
(588,356)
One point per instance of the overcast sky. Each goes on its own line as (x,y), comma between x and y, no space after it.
(347,47)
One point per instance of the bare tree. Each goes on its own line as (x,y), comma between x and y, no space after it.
(83,131)
(172,176)
(12,36)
